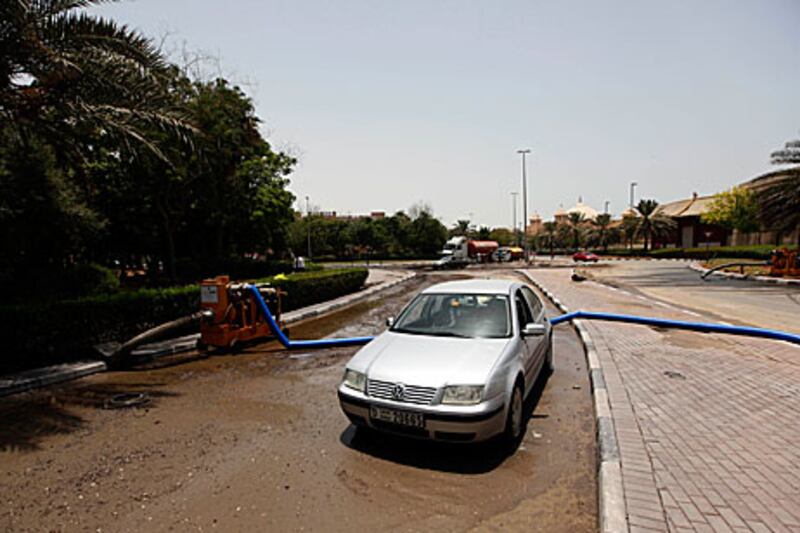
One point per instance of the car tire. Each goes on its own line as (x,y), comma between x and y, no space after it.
(515,423)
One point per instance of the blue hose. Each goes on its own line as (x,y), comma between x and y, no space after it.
(584,315)
(678,324)
(294,345)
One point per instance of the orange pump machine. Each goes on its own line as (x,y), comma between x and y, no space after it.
(785,262)
(232,316)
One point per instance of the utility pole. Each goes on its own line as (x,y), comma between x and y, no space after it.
(524,152)
(514,210)
(607,202)
(308,226)
(633,186)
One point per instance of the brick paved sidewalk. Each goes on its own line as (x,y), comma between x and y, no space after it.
(708,426)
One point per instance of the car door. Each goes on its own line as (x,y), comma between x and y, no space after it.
(525,316)
(537,311)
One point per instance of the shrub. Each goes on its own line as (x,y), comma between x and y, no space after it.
(755,252)
(46,333)
(190,271)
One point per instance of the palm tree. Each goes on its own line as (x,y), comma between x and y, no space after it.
(789,155)
(779,202)
(576,220)
(651,223)
(461,227)
(550,228)
(67,75)
(629,224)
(602,231)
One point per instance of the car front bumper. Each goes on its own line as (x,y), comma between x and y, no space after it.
(451,423)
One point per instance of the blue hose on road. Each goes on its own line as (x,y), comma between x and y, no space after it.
(294,345)
(584,315)
(679,324)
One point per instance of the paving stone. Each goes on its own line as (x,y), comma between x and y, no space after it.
(709,423)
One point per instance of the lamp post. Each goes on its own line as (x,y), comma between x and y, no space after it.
(524,152)
(633,186)
(607,202)
(514,210)
(308,227)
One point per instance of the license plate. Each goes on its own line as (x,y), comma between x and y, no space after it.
(403,418)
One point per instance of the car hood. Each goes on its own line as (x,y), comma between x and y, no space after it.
(428,361)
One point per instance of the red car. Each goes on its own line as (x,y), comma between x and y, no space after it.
(585,256)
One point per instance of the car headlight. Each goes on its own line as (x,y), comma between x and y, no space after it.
(462,394)
(355,380)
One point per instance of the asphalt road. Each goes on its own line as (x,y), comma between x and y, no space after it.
(735,301)
(256,441)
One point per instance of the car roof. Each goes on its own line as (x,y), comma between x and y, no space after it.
(473,286)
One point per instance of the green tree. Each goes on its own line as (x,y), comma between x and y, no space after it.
(483,233)
(789,155)
(549,235)
(779,201)
(504,236)
(602,233)
(461,228)
(630,222)
(736,208)
(428,234)
(576,222)
(651,223)
(66,75)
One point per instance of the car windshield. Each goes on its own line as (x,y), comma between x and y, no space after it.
(456,315)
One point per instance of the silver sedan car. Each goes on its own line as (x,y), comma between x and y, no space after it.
(455,366)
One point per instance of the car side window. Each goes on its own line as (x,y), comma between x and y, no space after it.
(523,312)
(534,302)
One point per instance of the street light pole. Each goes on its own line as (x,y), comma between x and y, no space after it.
(308,227)
(524,152)
(607,202)
(633,186)
(514,210)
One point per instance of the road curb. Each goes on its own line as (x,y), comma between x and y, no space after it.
(51,375)
(744,277)
(611,501)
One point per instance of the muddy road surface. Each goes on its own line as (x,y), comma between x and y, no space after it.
(256,442)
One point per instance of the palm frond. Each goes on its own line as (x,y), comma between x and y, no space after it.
(779,203)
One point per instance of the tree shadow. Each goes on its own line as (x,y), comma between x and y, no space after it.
(27,420)
(470,458)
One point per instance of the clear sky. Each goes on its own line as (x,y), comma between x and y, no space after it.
(387,103)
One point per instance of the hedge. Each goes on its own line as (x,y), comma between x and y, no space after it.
(236,267)
(38,334)
(756,252)
(761,251)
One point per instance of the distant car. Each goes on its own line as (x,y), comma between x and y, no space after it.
(455,366)
(585,256)
(502,255)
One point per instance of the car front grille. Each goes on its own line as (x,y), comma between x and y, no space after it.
(412,393)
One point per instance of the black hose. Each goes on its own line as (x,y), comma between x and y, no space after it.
(118,353)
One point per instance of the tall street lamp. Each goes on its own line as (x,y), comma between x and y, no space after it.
(524,152)
(633,186)
(514,210)
(607,202)
(308,226)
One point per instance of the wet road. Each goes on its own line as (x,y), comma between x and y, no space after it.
(256,441)
(742,302)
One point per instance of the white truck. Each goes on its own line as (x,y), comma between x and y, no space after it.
(460,251)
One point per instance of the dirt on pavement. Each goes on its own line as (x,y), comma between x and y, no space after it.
(256,441)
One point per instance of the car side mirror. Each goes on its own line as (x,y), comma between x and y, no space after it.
(534,330)
(390,321)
